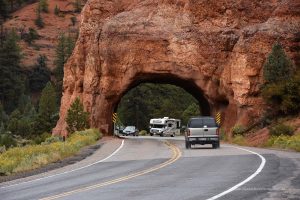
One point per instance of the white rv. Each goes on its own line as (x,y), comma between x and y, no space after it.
(165,127)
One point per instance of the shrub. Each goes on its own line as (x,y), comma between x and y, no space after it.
(41,138)
(33,156)
(281,129)
(31,36)
(43,4)
(143,132)
(7,140)
(285,142)
(239,139)
(56,10)
(238,130)
(39,20)
(52,139)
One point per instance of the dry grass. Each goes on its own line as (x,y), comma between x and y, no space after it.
(285,142)
(34,156)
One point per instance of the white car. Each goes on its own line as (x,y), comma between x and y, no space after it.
(130,130)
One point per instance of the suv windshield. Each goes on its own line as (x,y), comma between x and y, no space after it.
(201,122)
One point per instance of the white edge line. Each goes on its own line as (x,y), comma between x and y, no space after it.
(259,169)
(66,172)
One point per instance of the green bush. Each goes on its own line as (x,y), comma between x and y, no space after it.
(143,133)
(285,142)
(53,139)
(33,156)
(7,140)
(239,139)
(238,130)
(281,129)
(41,138)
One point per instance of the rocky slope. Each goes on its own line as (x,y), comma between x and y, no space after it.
(24,18)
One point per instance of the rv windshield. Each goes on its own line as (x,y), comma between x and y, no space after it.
(157,125)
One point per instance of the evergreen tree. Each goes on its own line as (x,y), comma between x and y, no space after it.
(43,5)
(282,89)
(11,76)
(40,75)
(77,118)
(56,10)
(39,20)
(278,66)
(31,36)
(47,113)
(22,120)
(77,6)
(3,116)
(63,51)
(191,111)
(3,9)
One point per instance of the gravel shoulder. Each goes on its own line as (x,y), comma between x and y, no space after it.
(86,156)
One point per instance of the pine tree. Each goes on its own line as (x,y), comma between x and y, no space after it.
(40,75)
(63,51)
(11,76)
(56,10)
(282,89)
(278,66)
(191,111)
(31,36)
(43,4)
(77,118)
(39,20)
(47,113)
(3,116)
(77,6)
(3,9)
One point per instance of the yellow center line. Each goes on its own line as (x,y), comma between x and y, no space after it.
(176,154)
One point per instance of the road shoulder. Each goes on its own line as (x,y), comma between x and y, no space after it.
(86,156)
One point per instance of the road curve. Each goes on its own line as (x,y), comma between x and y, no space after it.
(161,168)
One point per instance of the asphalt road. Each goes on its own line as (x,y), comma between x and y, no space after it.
(161,168)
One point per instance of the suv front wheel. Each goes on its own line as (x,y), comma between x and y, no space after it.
(187,144)
(216,145)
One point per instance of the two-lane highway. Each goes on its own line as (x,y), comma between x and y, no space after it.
(161,168)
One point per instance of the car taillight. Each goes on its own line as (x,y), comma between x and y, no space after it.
(218,131)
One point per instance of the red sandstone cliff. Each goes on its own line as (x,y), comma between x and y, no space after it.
(213,49)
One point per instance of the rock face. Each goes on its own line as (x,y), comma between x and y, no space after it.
(213,49)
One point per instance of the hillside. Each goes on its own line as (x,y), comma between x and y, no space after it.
(24,18)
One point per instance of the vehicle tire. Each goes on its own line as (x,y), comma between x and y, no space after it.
(187,145)
(218,144)
(173,135)
(161,135)
(214,145)
(151,134)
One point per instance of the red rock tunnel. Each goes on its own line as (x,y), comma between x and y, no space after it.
(212,49)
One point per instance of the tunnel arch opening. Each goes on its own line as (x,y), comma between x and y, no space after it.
(187,85)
